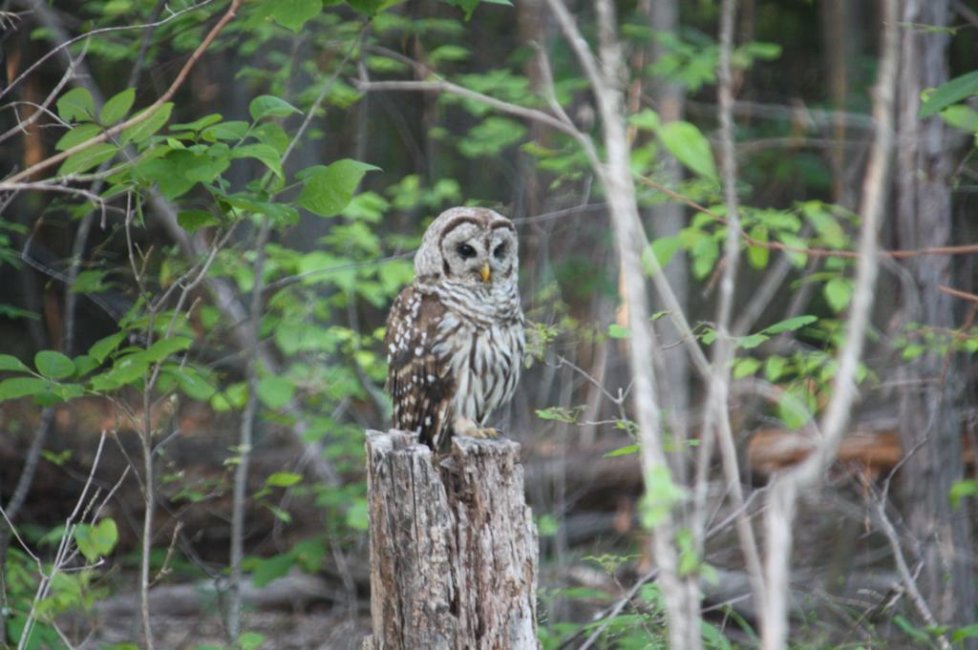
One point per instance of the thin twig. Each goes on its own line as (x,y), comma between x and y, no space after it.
(906,575)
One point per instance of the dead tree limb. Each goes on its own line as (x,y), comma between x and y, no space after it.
(453,548)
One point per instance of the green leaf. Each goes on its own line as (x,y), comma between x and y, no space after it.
(96,541)
(825,224)
(616,331)
(961,489)
(197,125)
(966,632)
(283,479)
(194,220)
(961,117)
(774,367)
(327,190)
(790,411)
(448,53)
(745,367)
(646,119)
(791,324)
(270,106)
(76,135)
(264,153)
(758,256)
(103,347)
(117,107)
(751,341)
(53,365)
(627,450)
(139,132)
(661,495)
(166,347)
(10,362)
(17,387)
(358,515)
(838,292)
(267,569)
(689,146)
(87,158)
(275,392)
(204,167)
(250,641)
(911,630)
(75,105)
(192,384)
(293,14)
(950,92)
(90,281)
(226,131)
(798,259)
(663,249)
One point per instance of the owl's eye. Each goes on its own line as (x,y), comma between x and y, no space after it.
(465,251)
(500,251)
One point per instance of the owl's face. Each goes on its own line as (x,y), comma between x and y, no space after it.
(474,246)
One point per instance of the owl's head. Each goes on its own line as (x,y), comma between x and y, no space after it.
(471,245)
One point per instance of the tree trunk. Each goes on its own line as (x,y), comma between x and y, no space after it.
(453,548)
(666,220)
(929,401)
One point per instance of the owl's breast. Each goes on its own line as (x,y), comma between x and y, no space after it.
(485,360)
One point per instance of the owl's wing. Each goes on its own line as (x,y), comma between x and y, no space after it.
(420,384)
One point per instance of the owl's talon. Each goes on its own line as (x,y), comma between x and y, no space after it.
(483,433)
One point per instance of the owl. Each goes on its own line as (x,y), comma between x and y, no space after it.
(455,335)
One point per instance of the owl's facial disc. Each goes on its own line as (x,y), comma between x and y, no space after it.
(465,254)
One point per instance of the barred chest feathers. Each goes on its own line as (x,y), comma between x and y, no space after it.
(484,352)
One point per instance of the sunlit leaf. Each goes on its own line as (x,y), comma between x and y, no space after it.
(791,324)
(950,92)
(689,146)
(96,541)
(283,479)
(758,254)
(327,190)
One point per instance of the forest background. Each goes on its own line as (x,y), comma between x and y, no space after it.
(746,229)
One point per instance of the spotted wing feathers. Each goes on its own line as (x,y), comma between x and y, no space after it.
(418,381)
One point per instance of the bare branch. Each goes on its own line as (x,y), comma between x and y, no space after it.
(780,514)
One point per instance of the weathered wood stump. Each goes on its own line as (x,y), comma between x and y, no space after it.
(453,548)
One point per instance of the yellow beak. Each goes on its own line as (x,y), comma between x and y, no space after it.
(485,272)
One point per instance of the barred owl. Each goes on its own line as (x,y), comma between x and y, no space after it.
(455,335)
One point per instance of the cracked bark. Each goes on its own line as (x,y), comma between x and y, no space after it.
(453,548)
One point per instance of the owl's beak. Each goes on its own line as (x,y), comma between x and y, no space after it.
(485,272)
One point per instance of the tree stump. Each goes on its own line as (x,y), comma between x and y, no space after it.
(453,548)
